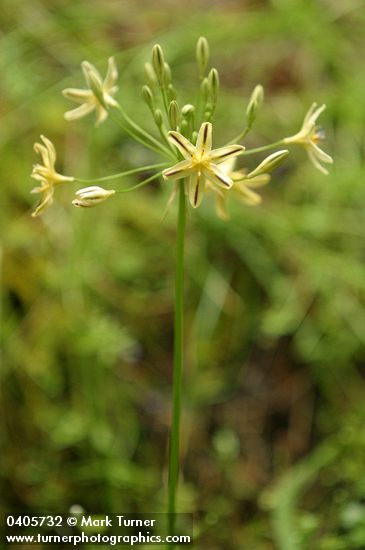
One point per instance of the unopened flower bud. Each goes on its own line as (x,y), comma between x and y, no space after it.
(213,80)
(148,96)
(202,54)
(158,62)
(254,104)
(90,196)
(268,164)
(188,110)
(157,115)
(184,126)
(174,115)
(150,75)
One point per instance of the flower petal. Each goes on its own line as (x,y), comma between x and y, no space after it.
(248,196)
(102,114)
(183,144)
(111,76)
(178,171)
(51,150)
(225,153)
(40,189)
(228,165)
(109,100)
(221,205)
(42,151)
(75,94)
(90,189)
(204,139)
(88,69)
(313,158)
(309,114)
(45,202)
(79,112)
(196,188)
(321,155)
(258,181)
(317,112)
(217,176)
(41,172)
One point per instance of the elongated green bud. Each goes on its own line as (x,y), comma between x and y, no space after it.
(268,164)
(212,88)
(148,96)
(202,54)
(184,127)
(150,75)
(157,115)
(254,104)
(174,115)
(158,62)
(213,81)
(188,112)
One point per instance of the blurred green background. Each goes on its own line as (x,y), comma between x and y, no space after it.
(274,395)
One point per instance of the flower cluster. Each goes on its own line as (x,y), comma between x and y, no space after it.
(184,138)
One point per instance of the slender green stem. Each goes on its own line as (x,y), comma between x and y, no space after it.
(140,184)
(201,104)
(174,448)
(123,174)
(264,148)
(164,99)
(143,133)
(164,135)
(138,133)
(240,136)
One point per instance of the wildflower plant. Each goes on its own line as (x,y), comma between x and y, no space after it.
(191,162)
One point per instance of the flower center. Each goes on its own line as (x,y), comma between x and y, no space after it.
(318,135)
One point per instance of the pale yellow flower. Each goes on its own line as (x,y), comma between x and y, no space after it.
(98,96)
(243,189)
(91,196)
(46,174)
(309,136)
(200,164)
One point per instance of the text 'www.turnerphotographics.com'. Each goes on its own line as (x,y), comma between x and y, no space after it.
(111,529)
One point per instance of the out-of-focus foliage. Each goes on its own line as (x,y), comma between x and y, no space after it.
(273,431)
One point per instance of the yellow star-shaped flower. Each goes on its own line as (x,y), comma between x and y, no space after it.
(99,94)
(200,164)
(309,136)
(46,174)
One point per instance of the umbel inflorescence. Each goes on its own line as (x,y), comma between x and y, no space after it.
(190,163)
(184,138)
